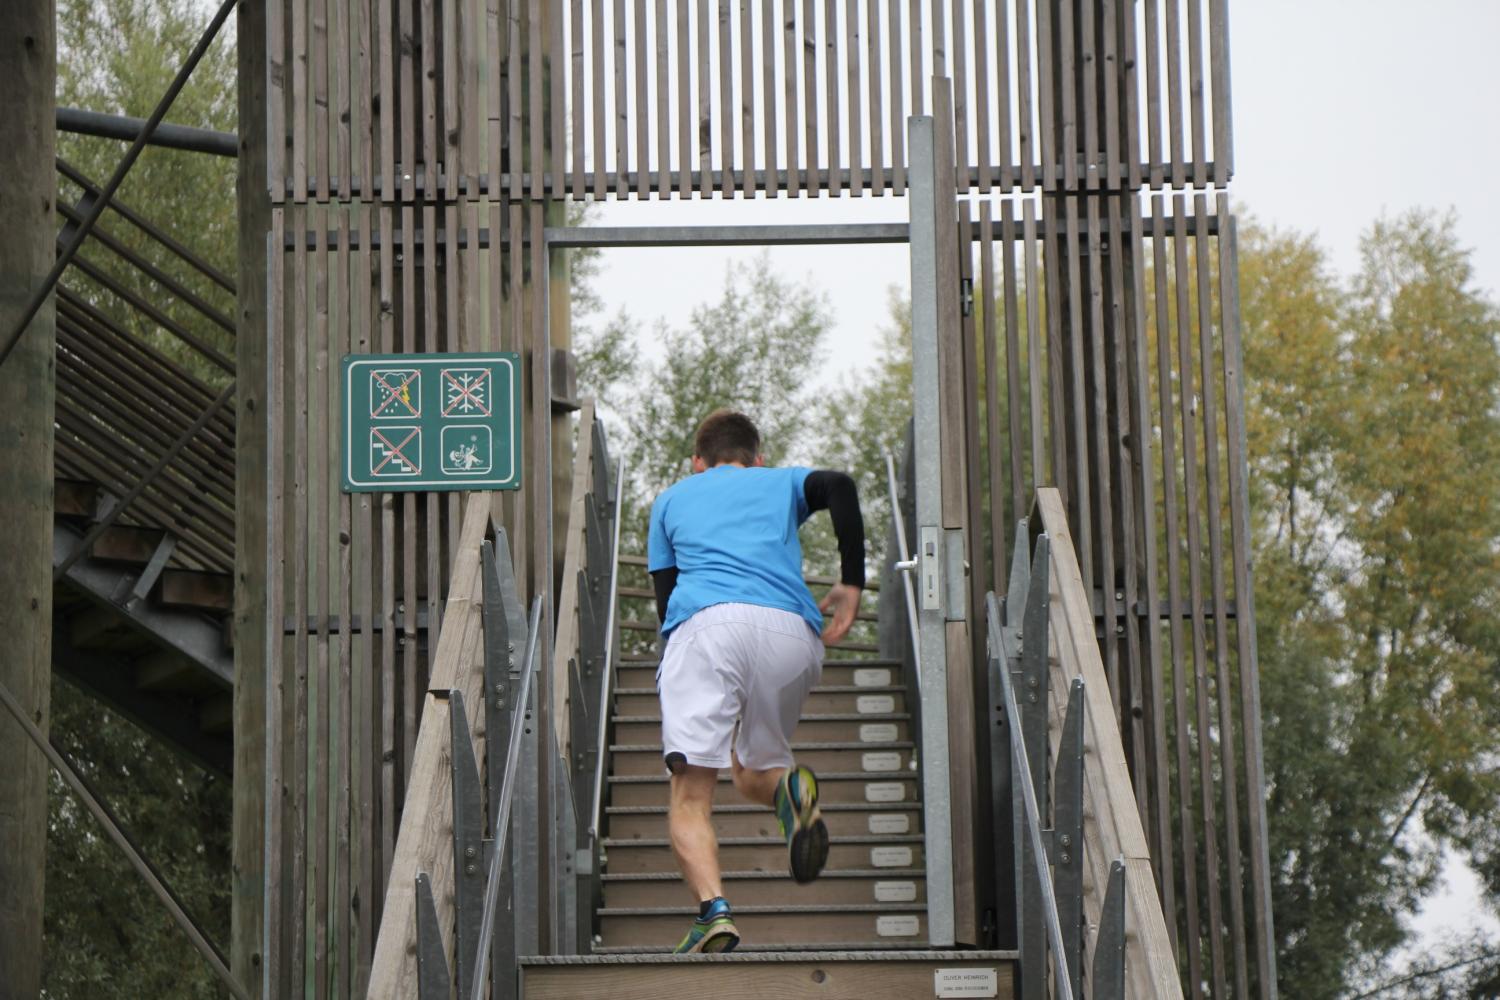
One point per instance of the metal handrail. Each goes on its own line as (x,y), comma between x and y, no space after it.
(507,793)
(1028,799)
(606,682)
(905,565)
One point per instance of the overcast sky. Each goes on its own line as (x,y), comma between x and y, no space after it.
(1342,111)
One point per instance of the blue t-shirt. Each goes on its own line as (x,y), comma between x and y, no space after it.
(732,534)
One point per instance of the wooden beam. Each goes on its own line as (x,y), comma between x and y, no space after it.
(424,841)
(570,535)
(1112,824)
(188,588)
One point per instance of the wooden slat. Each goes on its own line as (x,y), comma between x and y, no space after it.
(1067,110)
(982,157)
(318,44)
(536,121)
(577,49)
(768,93)
(662,29)
(1112,826)
(1188,403)
(834,175)
(898,111)
(747,158)
(276,97)
(1088,55)
(1078,429)
(726,99)
(340,161)
(621,94)
(321,792)
(685,116)
(516,110)
(565,648)
(598,157)
(1217,572)
(958,53)
(642,106)
(1016,463)
(298,813)
(299,98)
(855,117)
(1110,71)
(409,108)
(789,74)
(990,297)
(876,82)
(916,58)
(1034,355)
(425,840)
(1102,519)
(1130,83)
(408,559)
(1025,148)
(1173,56)
(557,78)
(705,124)
(1218,61)
(1049,114)
(1153,92)
(1195,91)
(810,92)
(276,925)
(364,655)
(386,701)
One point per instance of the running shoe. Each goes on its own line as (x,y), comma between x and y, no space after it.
(712,932)
(802,823)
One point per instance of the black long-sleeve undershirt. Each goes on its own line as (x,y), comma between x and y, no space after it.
(823,489)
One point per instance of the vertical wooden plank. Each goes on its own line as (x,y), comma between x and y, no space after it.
(789,72)
(705,104)
(622,103)
(1130,84)
(276,78)
(747,98)
(431,157)
(685,117)
(726,99)
(1109,77)
(898,112)
(1218,61)
(958,52)
(982,158)
(450,125)
(1025,129)
(1048,113)
(810,93)
(1244,597)
(876,82)
(515,144)
(642,106)
(1088,49)
(1057,398)
(298,813)
(299,97)
(1077,409)
(1034,355)
(318,516)
(1103,518)
(834,175)
(407,604)
(340,164)
(387,701)
(1195,91)
(495,48)
(1222,691)
(363,750)
(341,525)
(1017,463)
(988,297)
(768,94)
(557,143)
(600,108)
(474,28)
(939,45)
(579,107)
(663,104)
(408,107)
(382,79)
(855,117)
(1153,100)
(536,119)
(1174,93)
(1068,111)
(319,71)
(1188,406)
(917,57)
(276,925)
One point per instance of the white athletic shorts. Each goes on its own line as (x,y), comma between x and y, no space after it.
(737,662)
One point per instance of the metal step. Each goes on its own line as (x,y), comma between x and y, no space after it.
(872,760)
(766,854)
(836,673)
(871,973)
(844,819)
(841,727)
(652,789)
(817,925)
(854,886)
(825,699)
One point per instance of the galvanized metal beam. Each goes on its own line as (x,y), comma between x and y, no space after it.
(167,135)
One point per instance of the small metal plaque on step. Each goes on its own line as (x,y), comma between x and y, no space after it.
(897,925)
(965,983)
(897,823)
(895,892)
(875,704)
(884,791)
(872,677)
(880,760)
(890,857)
(877,732)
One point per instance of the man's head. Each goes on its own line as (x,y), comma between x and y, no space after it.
(726,436)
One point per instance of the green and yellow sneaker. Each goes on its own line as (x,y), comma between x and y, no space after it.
(712,932)
(802,823)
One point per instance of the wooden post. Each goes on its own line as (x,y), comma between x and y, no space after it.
(28,74)
(247,949)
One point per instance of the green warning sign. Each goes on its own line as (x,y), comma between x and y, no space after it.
(432,422)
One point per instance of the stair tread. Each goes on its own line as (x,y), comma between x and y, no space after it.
(740,808)
(863,838)
(824,717)
(821,689)
(822,776)
(852,661)
(863,951)
(796,745)
(668,911)
(846,873)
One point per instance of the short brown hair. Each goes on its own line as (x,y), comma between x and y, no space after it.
(727,436)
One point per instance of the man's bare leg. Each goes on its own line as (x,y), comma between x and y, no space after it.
(690,822)
(757,786)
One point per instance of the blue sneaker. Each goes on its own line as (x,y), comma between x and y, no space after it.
(802,823)
(713,932)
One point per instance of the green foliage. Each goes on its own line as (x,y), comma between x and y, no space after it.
(107,935)
(1372,424)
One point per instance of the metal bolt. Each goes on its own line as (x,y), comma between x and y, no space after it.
(468,852)
(469,869)
(1119,596)
(1066,840)
(1031,698)
(510,647)
(1067,858)
(1032,682)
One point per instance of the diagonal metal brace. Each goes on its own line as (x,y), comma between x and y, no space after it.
(1066,848)
(433,981)
(468,842)
(1109,946)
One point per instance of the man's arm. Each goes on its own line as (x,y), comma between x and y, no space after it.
(837,493)
(664,580)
